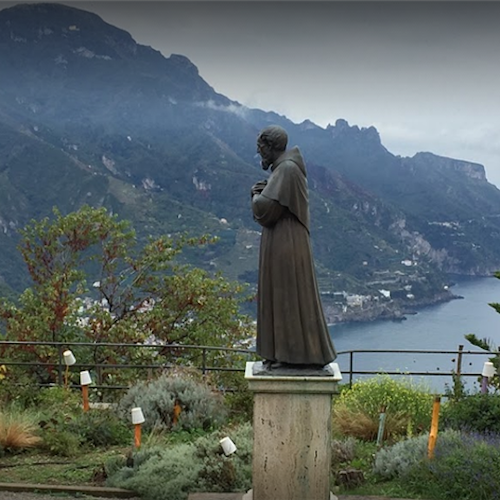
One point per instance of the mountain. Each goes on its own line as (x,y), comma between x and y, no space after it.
(87,115)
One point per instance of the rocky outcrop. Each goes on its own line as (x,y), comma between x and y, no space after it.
(392,309)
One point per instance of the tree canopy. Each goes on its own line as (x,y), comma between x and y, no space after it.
(93,282)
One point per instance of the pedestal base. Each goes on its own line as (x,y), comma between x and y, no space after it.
(249,496)
(292,429)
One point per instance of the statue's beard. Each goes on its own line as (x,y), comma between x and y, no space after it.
(265,164)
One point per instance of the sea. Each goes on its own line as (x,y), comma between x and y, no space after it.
(440,327)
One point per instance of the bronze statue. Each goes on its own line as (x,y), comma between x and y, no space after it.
(291,326)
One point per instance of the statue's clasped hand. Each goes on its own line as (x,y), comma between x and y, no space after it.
(258,187)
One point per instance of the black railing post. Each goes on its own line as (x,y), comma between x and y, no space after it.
(60,367)
(459,360)
(204,361)
(351,361)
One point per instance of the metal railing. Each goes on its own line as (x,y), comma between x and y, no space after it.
(351,371)
(457,370)
(58,365)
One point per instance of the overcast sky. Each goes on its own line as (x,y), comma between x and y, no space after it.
(425,74)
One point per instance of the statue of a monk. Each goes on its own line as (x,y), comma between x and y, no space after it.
(291,326)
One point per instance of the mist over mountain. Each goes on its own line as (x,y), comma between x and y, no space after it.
(88,116)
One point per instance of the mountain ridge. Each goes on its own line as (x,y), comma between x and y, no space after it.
(113,123)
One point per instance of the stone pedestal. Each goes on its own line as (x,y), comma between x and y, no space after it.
(292,434)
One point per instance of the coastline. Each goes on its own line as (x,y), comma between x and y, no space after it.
(395,310)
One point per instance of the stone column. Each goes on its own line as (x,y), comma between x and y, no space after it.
(292,432)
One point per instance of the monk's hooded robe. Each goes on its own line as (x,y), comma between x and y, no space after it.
(291,326)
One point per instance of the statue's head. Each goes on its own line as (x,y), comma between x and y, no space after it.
(271,144)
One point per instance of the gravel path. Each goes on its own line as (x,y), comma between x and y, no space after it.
(7,495)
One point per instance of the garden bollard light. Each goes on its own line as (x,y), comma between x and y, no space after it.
(434,427)
(69,359)
(227,446)
(85,381)
(137,420)
(488,372)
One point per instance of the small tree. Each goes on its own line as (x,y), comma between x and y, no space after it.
(488,345)
(93,283)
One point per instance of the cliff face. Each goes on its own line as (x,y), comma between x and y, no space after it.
(429,164)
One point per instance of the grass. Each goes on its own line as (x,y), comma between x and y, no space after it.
(85,469)
(390,489)
(18,430)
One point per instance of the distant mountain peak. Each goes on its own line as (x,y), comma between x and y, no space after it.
(49,46)
(56,25)
(343,129)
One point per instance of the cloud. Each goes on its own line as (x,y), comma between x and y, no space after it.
(233,108)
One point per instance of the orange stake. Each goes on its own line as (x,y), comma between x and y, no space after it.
(137,435)
(85,393)
(177,412)
(434,427)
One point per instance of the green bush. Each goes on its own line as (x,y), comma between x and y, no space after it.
(201,408)
(66,427)
(57,441)
(59,402)
(161,473)
(101,428)
(16,387)
(408,407)
(240,399)
(475,412)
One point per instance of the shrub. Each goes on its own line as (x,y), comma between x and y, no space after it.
(65,427)
(100,428)
(219,473)
(167,475)
(59,403)
(240,399)
(59,407)
(396,460)
(465,467)
(408,408)
(58,441)
(18,429)
(476,412)
(356,423)
(201,408)
(16,386)
(171,474)
(343,451)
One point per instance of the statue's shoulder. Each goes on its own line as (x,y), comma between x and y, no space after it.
(290,167)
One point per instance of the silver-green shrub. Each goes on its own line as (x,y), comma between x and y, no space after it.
(343,450)
(221,473)
(166,475)
(398,459)
(172,473)
(465,466)
(395,460)
(201,407)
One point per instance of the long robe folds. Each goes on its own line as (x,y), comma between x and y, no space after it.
(291,326)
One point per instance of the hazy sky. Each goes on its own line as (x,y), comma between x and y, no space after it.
(425,74)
